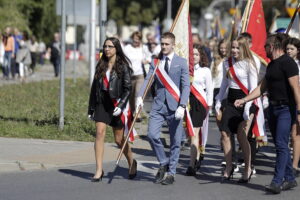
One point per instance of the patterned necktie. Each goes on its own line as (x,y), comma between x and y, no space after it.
(167,65)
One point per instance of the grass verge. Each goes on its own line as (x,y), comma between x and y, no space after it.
(31,110)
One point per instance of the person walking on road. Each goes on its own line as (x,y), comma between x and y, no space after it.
(109,96)
(173,71)
(201,99)
(282,83)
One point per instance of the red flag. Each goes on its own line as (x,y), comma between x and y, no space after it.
(257,28)
(181,28)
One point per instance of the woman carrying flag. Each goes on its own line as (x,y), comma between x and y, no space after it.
(201,99)
(108,104)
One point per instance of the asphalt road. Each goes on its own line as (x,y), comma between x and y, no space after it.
(72,183)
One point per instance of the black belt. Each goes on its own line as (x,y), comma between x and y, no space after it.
(279,102)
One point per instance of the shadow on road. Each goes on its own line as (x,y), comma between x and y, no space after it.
(80,174)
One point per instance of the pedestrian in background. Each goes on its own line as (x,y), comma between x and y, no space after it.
(9,47)
(109,95)
(54,50)
(292,48)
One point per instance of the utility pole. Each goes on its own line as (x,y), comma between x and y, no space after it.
(75,41)
(62,65)
(92,40)
(102,21)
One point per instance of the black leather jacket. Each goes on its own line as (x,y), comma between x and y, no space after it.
(119,87)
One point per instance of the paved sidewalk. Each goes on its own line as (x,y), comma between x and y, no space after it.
(35,154)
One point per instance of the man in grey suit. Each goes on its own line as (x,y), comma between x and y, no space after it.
(166,107)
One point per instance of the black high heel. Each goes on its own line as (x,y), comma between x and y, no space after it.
(98,179)
(230,176)
(246,180)
(134,165)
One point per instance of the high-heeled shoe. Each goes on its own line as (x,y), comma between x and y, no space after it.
(133,166)
(245,180)
(98,179)
(230,176)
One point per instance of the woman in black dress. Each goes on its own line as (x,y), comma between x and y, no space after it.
(108,98)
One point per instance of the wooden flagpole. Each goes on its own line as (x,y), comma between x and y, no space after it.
(293,18)
(137,114)
(246,15)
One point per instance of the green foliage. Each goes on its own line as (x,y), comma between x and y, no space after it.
(31,111)
(37,17)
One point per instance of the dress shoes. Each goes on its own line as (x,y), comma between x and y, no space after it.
(190,171)
(168,180)
(98,179)
(133,166)
(273,188)
(160,174)
(286,185)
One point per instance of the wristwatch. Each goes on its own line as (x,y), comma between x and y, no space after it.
(182,105)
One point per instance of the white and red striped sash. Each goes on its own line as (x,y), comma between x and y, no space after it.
(255,129)
(203,132)
(126,115)
(174,91)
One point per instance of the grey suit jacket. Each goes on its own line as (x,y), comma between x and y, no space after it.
(179,73)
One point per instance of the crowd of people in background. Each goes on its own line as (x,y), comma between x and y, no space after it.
(20,53)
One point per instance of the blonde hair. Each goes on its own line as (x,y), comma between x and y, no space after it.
(218,58)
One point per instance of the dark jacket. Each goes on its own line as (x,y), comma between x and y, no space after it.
(119,87)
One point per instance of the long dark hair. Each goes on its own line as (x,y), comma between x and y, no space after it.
(296,43)
(121,60)
(203,57)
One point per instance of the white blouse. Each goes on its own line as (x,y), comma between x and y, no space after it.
(246,73)
(136,57)
(203,80)
(298,64)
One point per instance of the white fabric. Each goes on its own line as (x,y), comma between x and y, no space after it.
(217,80)
(203,81)
(136,57)
(138,103)
(298,64)
(170,56)
(179,114)
(248,76)
(108,74)
(117,111)
(261,68)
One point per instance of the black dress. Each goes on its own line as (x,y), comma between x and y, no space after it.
(198,112)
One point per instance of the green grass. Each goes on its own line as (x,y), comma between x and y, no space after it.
(31,110)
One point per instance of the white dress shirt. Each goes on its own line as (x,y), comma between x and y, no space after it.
(217,80)
(246,73)
(170,56)
(135,55)
(202,78)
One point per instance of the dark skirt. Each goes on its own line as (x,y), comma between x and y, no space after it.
(104,110)
(198,112)
(232,116)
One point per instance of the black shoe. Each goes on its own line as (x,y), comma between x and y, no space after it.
(197,164)
(190,171)
(273,188)
(296,172)
(160,174)
(98,179)
(286,185)
(168,180)
(245,180)
(133,166)
(230,176)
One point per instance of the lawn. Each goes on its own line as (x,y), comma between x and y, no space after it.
(31,110)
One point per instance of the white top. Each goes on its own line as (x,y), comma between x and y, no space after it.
(248,76)
(202,79)
(298,64)
(216,81)
(136,57)
(170,56)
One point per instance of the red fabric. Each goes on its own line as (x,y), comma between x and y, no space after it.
(199,97)
(167,85)
(257,28)
(115,102)
(191,53)
(235,78)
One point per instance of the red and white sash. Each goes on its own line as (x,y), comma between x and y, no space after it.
(174,91)
(258,126)
(126,115)
(203,133)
